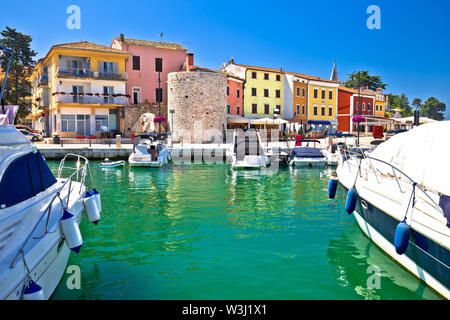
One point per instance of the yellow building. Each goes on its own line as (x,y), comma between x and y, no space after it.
(322,103)
(263,91)
(79,89)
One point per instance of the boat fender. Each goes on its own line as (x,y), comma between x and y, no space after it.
(350,203)
(92,211)
(401,238)
(33,291)
(71,230)
(332,186)
(98,199)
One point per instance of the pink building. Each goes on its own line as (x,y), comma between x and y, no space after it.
(142,68)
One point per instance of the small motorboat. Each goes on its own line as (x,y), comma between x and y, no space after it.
(150,151)
(112,164)
(248,153)
(308,157)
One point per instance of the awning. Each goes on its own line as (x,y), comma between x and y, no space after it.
(319,122)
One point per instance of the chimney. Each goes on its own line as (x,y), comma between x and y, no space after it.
(122,37)
(189,60)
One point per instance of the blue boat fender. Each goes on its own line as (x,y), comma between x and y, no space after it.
(401,239)
(332,186)
(350,203)
(71,231)
(90,204)
(33,291)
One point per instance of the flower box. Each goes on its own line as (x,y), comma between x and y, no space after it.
(92,137)
(80,137)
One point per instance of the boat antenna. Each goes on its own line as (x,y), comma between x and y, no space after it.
(6,74)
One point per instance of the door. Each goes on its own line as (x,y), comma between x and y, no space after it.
(83,125)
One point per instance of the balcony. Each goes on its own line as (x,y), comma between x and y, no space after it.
(88,74)
(91,99)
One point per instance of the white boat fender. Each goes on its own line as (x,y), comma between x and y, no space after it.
(98,199)
(33,291)
(401,238)
(90,205)
(71,230)
(350,202)
(332,186)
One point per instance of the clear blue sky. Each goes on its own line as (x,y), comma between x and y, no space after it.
(411,51)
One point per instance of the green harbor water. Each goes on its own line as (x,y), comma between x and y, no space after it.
(208,232)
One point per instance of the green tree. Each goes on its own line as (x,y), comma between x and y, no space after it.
(372,82)
(17,86)
(417,103)
(434,109)
(400,102)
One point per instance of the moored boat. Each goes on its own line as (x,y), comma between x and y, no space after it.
(112,164)
(400,196)
(39,214)
(248,153)
(150,151)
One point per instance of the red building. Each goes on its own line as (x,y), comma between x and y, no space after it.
(235,94)
(352,103)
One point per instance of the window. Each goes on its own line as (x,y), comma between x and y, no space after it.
(158,65)
(237,110)
(83,124)
(266,93)
(330,94)
(298,91)
(68,123)
(298,109)
(101,123)
(277,109)
(76,97)
(369,107)
(278,77)
(376,107)
(254,108)
(364,106)
(303,109)
(24,178)
(266,76)
(254,75)
(228,91)
(323,94)
(136,95)
(303,92)
(322,110)
(357,106)
(381,108)
(266,109)
(315,109)
(136,63)
(159,95)
(277,93)
(315,93)
(108,91)
(330,111)
(238,93)
(228,108)
(253,92)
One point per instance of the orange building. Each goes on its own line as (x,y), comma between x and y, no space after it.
(300,88)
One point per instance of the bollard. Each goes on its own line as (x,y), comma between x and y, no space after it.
(118,141)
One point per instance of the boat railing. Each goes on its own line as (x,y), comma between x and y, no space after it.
(78,175)
(360,153)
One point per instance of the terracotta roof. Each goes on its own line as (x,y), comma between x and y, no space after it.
(85,45)
(305,76)
(259,68)
(355,91)
(155,44)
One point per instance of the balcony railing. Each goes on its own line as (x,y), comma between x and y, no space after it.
(91,99)
(87,73)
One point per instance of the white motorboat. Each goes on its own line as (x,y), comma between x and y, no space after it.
(150,151)
(39,216)
(247,152)
(308,157)
(400,196)
(111,164)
